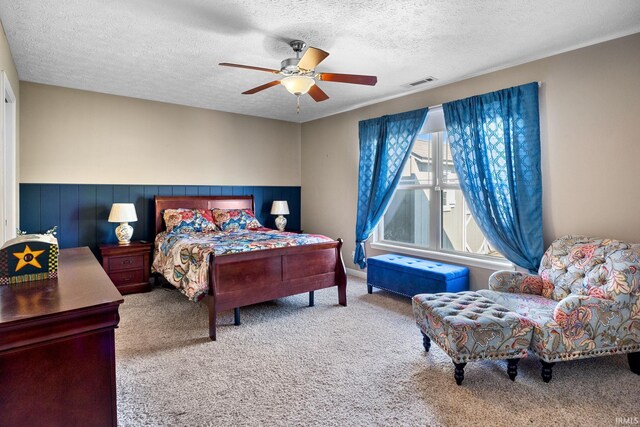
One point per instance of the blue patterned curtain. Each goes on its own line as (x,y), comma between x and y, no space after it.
(495,143)
(385,146)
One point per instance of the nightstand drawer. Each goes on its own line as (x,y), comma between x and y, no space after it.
(129,262)
(127,277)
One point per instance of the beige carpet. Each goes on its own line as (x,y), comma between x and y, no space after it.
(288,364)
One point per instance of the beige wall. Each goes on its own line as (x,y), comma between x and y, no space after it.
(590,136)
(6,62)
(74,136)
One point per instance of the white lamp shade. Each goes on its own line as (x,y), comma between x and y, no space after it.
(298,85)
(123,212)
(279,207)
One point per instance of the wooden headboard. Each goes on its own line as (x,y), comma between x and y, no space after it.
(199,202)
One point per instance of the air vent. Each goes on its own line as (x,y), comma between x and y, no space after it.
(421,82)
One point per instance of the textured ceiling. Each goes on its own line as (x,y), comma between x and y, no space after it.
(169,50)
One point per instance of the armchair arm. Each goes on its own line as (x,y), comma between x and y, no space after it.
(578,311)
(516,282)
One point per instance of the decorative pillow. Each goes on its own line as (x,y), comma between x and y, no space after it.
(188,220)
(234,219)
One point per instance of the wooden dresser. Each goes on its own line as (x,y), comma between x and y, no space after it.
(57,351)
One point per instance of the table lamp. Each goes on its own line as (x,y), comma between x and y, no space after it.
(280,207)
(123,213)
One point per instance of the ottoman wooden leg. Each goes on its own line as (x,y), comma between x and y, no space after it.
(634,362)
(459,372)
(426,342)
(369,289)
(512,368)
(547,368)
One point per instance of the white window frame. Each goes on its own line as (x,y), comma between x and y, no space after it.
(435,250)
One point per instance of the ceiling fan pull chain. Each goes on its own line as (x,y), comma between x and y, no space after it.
(298,104)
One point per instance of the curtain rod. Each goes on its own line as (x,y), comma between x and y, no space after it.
(440,105)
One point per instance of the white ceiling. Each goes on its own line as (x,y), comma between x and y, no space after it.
(168,50)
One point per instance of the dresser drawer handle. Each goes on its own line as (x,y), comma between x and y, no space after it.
(126,279)
(127,261)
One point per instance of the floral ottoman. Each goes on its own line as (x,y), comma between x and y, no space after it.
(470,327)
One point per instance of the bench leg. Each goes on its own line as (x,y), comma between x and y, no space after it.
(369,289)
(459,372)
(634,362)
(426,342)
(236,316)
(547,369)
(311,301)
(512,368)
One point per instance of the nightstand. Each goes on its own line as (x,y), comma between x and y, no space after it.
(128,266)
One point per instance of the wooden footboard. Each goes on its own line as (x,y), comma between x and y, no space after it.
(242,279)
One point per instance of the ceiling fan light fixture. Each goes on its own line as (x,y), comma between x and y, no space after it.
(298,85)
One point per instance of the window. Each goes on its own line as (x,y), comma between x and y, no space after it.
(428,210)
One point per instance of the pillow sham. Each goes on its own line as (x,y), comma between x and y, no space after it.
(188,220)
(234,219)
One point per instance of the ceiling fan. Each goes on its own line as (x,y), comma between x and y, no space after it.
(299,75)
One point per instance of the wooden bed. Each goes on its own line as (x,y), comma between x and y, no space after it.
(241,279)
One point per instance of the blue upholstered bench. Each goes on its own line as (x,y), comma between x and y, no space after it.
(411,276)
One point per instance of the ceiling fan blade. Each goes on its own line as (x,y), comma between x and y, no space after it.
(249,67)
(317,94)
(263,87)
(311,58)
(348,78)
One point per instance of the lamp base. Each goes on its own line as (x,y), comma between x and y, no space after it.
(124,232)
(281,222)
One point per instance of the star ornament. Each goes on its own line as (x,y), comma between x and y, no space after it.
(27,257)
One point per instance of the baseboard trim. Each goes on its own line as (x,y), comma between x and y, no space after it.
(357,273)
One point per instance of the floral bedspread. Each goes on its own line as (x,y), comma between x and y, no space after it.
(183,258)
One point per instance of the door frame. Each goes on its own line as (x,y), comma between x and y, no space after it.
(8,161)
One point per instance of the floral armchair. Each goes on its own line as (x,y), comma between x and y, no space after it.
(585,300)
